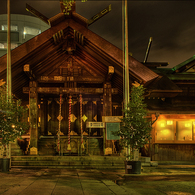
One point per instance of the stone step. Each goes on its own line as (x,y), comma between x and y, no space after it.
(71,161)
(65,158)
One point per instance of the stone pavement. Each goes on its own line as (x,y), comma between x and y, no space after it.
(81,181)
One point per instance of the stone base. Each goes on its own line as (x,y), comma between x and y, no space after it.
(33,151)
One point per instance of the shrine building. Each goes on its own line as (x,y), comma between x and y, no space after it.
(71,79)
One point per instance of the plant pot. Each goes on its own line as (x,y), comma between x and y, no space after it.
(1,159)
(132,167)
(5,164)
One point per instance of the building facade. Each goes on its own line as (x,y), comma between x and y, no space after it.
(71,79)
(23,28)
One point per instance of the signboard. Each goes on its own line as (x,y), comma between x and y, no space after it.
(111,119)
(112,127)
(95,125)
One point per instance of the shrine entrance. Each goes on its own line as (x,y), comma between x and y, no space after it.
(70,132)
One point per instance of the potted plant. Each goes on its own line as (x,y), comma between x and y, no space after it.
(11,125)
(135,128)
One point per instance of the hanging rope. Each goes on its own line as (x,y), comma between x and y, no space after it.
(81,103)
(60,109)
(70,101)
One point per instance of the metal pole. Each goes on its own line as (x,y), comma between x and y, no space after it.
(9,89)
(126,60)
(9,93)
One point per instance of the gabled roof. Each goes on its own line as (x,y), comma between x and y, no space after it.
(42,53)
(184,66)
(184,71)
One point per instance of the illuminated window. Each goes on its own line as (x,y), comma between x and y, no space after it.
(165,130)
(184,131)
(4,45)
(1,46)
(31,31)
(12,27)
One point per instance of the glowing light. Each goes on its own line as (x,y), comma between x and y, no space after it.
(169,122)
(162,124)
(187,124)
(165,132)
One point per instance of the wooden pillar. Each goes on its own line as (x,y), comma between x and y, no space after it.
(43,115)
(33,116)
(107,108)
(107,99)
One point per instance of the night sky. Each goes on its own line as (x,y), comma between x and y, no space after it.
(170,23)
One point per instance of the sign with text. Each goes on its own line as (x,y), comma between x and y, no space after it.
(111,119)
(95,125)
(110,128)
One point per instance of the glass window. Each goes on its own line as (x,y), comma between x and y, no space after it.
(1,46)
(31,31)
(4,45)
(165,130)
(184,131)
(12,27)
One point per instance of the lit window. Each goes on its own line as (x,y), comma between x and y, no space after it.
(165,130)
(12,27)
(184,130)
(31,31)
(1,46)
(4,45)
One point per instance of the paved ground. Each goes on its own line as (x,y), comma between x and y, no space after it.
(170,180)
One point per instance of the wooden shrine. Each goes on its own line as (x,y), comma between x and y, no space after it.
(69,76)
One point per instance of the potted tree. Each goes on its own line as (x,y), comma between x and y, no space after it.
(11,124)
(135,128)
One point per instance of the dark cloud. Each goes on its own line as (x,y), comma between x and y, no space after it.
(170,23)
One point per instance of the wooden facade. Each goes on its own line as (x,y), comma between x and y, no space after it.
(68,61)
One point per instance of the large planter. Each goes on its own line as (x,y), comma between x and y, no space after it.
(5,164)
(1,163)
(132,167)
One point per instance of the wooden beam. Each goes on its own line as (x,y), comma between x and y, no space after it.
(61,79)
(58,90)
(99,15)
(28,72)
(37,14)
(110,73)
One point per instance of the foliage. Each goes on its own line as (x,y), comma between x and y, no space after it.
(135,129)
(11,118)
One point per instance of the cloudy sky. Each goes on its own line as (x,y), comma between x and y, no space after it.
(170,23)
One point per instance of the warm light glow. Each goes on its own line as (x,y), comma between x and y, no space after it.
(187,124)
(165,132)
(162,124)
(13,126)
(169,122)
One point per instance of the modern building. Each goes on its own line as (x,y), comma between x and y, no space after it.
(23,28)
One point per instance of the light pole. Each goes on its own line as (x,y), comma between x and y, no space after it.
(9,78)
(126,62)
(9,93)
